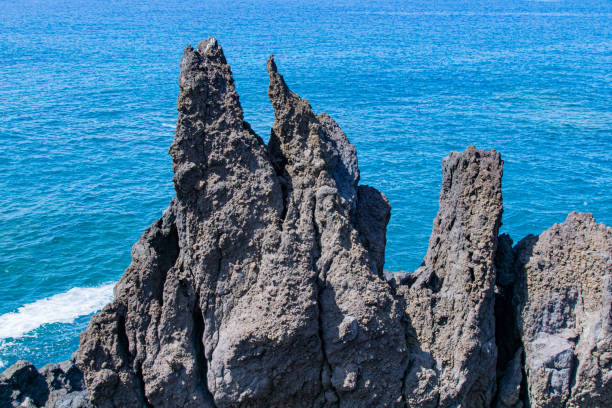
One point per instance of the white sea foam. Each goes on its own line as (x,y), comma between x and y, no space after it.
(61,308)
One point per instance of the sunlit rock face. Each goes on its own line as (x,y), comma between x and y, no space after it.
(564,313)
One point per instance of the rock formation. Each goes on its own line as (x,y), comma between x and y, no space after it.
(239,294)
(54,386)
(450,299)
(262,285)
(563,310)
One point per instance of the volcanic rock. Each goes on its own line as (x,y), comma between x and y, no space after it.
(240,295)
(450,299)
(54,386)
(564,313)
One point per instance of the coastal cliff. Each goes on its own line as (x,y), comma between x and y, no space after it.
(262,285)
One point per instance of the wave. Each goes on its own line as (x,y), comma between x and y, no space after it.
(61,308)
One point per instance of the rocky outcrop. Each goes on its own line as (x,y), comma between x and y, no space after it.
(563,297)
(450,299)
(54,386)
(262,284)
(358,316)
(256,287)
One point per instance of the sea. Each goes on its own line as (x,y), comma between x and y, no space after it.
(88,95)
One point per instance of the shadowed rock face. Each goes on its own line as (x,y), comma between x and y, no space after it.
(262,284)
(54,386)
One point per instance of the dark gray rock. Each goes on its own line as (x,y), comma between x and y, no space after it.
(450,299)
(193,311)
(509,392)
(319,165)
(507,336)
(564,304)
(54,386)
(257,287)
(22,384)
(373,213)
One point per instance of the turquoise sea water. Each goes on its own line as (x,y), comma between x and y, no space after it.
(87,111)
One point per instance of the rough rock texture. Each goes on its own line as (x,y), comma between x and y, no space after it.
(262,284)
(359,318)
(188,314)
(257,286)
(564,313)
(450,299)
(54,386)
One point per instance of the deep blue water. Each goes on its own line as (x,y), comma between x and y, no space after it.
(87,110)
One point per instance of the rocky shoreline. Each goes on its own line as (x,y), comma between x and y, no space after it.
(262,285)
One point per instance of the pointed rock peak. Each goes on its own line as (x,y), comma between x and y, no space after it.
(194,60)
(211,50)
(209,112)
(309,142)
(210,45)
(271,65)
(277,82)
(279,93)
(206,83)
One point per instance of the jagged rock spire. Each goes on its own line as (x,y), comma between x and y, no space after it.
(255,287)
(450,299)
(209,116)
(161,342)
(359,318)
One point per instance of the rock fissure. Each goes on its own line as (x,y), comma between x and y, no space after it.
(141,385)
(405,391)
(198,341)
(510,360)
(573,372)
(169,260)
(523,391)
(124,346)
(321,282)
